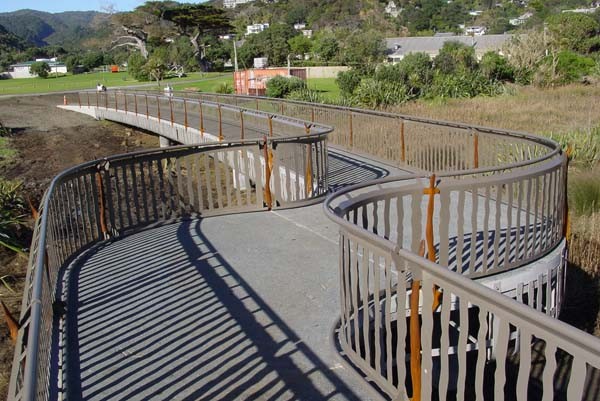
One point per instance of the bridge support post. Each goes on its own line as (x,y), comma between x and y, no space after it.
(220,123)
(402,142)
(268,155)
(201,120)
(308,173)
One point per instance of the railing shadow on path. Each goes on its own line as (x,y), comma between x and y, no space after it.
(345,170)
(164,316)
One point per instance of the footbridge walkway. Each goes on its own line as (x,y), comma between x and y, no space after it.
(207,269)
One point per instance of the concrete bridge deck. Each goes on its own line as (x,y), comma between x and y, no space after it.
(235,307)
(210,309)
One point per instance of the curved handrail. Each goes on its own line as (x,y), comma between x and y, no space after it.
(359,136)
(106,198)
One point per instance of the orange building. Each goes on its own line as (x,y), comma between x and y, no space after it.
(254,81)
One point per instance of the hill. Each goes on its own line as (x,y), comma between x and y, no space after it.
(67,29)
(10,42)
(414,17)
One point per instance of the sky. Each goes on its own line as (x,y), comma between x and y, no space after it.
(55,6)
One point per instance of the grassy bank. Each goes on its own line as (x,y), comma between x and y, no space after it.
(85,81)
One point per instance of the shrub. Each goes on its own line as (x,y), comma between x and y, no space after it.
(563,68)
(347,81)
(40,68)
(225,88)
(12,212)
(572,67)
(455,57)
(373,93)
(135,67)
(585,146)
(414,70)
(306,95)
(281,86)
(495,67)
(463,85)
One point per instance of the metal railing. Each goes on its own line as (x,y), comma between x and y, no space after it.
(473,226)
(108,198)
(471,341)
(498,205)
(407,141)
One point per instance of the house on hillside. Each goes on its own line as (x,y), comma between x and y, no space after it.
(21,70)
(234,3)
(256,28)
(399,47)
(475,30)
(521,19)
(392,9)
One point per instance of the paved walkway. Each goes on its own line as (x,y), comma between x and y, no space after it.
(237,307)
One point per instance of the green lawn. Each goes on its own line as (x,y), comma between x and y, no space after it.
(326,86)
(210,84)
(83,81)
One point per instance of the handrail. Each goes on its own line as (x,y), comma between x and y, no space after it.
(376,272)
(422,150)
(107,198)
(517,175)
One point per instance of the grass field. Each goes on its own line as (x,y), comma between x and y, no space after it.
(84,81)
(209,84)
(326,87)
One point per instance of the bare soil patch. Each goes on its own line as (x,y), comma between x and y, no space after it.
(48,140)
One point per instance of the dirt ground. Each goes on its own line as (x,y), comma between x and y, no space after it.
(48,140)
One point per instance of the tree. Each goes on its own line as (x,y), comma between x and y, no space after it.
(156,67)
(494,66)
(326,47)
(455,57)
(573,31)
(195,20)
(71,62)
(92,60)
(525,53)
(271,43)
(142,24)
(40,68)
(364,48)
(300,45)
(135,67)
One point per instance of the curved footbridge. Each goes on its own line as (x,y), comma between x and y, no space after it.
(209,271)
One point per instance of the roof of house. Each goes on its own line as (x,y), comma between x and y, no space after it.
(29,63)
(432,44)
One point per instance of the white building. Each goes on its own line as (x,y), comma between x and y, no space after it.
(521,20)
(256,28)
(307,32)
(592,9)
(392,9)
(21,70)
(300,26)
(475,30)
(234,3)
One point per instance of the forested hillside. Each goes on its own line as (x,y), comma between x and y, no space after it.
(68,29)
(415,17)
